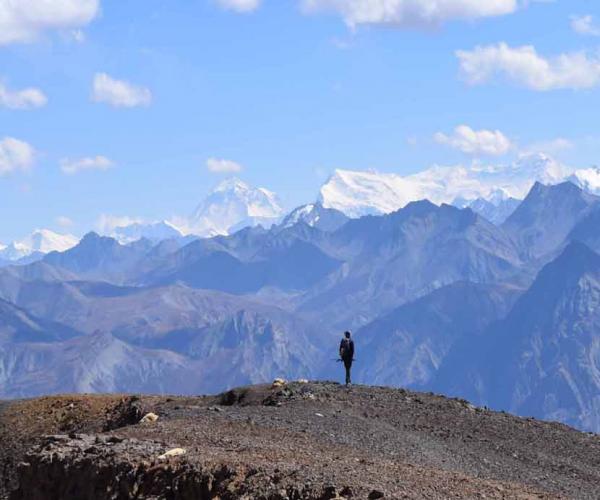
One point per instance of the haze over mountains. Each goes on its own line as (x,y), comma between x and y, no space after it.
(501,310)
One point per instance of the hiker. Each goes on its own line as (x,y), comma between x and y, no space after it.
(347,354)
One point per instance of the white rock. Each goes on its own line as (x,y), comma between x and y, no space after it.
(149,418)
(278,382)
(175,452)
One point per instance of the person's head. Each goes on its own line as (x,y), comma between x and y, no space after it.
(347,335)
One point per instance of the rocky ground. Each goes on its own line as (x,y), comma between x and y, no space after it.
(298,441)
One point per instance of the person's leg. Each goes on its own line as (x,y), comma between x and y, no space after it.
(348,366)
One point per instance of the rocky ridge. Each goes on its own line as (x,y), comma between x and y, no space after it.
(289,441)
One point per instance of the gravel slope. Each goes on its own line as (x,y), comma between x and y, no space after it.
(315,440)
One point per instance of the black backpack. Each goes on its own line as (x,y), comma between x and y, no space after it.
(346,349)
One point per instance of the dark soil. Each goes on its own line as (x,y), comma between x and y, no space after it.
(317,441)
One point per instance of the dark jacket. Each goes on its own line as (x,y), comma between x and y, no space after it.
(347,349)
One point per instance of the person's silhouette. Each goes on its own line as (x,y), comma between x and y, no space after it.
(347,354)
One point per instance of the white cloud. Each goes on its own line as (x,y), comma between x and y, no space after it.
(96,163)
(15,155)
(64,221)
(410,13)
(242,6)
(119,93)
(21,99)
(221,166)
(25,20)
(584,25)
(525,67)
(476,142)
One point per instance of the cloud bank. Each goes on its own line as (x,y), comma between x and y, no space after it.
(25,20)
(410,13)
(476,142)
(524,67)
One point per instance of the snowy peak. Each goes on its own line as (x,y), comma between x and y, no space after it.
(317,216)
(45,241)
(587,178)
(259,202)
(540,167)
(41,241)
(233,205)
(366,193)
(152,231)
(496,211)
(363,193)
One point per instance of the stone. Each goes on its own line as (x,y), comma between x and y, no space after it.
(175,452)
(149,418)
(278,382)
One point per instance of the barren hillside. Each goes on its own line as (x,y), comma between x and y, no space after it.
(298,441)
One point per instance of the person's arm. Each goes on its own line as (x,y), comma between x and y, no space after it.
(341,347)
(352,349)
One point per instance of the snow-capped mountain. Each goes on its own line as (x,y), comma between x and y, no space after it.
(362,193)
(233,205)
(496,208)
(41,241)
(588,179)
(153,231)
(315,215)
(496,211)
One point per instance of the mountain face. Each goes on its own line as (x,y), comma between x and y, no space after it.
(92,363)
(220,270)
(406,347)
(586,230)
(99,257)
(38,243)
(367,193)
(497,208)
(393,259)
(19,326)
(547,216)
(233,205)
(542,360)
(156,340)
(315,215)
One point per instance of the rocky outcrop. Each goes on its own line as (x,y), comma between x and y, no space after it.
(101,468)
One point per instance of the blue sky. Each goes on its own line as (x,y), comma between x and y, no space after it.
(288,94)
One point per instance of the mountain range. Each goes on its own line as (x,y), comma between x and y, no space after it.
(440,298)
(492,191)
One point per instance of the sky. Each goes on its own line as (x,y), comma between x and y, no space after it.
(139,108)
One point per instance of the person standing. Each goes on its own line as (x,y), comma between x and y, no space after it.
(347,354)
